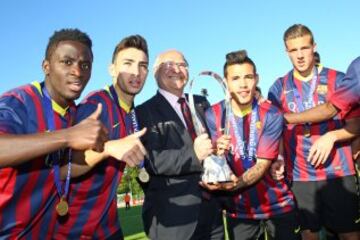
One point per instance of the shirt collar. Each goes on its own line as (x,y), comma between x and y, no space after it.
(171,98)
(122,104)
(308,78)
(55,106)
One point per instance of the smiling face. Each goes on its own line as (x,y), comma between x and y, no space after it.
(67,71)
(129,72)
(301,53)
(171,72)
(241,80)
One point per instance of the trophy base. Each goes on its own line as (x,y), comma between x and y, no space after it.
(216,170)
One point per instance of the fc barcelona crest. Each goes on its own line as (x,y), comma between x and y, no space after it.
(322,89)
(258,125)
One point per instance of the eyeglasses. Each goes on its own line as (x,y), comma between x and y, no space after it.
(180,65)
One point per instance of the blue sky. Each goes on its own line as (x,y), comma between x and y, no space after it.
(204,30)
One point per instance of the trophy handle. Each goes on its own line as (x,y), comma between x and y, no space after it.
(199,128)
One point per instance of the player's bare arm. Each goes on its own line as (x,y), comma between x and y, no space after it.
(17,149)
(317,114)
(128,149)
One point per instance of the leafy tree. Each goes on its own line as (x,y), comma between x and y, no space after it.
(129,183)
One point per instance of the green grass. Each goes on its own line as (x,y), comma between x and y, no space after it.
(132,226)
(138,236)
(131,223)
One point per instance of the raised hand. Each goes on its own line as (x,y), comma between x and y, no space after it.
(202,146)
(223,144)
(223,186)
(277,169)
(89,133)
(128,149)
(321,149)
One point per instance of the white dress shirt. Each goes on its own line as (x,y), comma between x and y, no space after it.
(173,100)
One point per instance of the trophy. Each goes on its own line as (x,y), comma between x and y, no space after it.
(216,168)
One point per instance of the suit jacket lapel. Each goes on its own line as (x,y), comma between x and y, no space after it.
(164,107)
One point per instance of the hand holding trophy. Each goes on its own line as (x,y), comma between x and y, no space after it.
(216,168)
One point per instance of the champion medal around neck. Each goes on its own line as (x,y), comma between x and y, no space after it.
(62,207)
(216,168)
(310,97)
(143,176)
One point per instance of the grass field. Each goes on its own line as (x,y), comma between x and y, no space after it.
(132,227)
(131,223)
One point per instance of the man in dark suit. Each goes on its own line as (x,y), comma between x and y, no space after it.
(175,205)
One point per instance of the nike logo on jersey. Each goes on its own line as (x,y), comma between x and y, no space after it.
(115,125)
(288,91)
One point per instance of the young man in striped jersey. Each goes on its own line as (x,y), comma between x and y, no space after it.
(35,128)
(255,132)
(93,208)
(326,192)
(344,99)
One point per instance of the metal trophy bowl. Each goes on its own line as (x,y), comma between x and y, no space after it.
(216,168)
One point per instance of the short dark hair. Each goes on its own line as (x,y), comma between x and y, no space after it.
(257,88)
(133,41)
(67,34)
(297,30)
(237,57)
(317,58)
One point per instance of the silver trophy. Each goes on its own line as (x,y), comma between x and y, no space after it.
(216,168)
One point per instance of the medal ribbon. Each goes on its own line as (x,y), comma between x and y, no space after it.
(56,157)
(246,156)
(310,97)
(134,122)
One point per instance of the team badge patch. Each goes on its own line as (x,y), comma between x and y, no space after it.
(322,89)
(258,125)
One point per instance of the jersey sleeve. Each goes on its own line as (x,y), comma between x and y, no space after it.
(89,105)
(269,140)
(13,115)
(274,94)
(347,93)
(84,110)
(353,113)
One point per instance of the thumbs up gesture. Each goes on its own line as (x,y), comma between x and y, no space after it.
(277,169)
(128,149)
(89,133)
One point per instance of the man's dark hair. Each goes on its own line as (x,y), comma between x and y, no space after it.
(296,31)
(67,34)
(317,58)
(237,57)
(257,88)
(133,41)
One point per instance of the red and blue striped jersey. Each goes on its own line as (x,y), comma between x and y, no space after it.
(93,200)
(267,197)
(28,195)
(347,95)
(296,144)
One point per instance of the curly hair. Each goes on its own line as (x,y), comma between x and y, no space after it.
(67,34)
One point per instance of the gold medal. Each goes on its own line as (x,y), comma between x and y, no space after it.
(62,207)
(144,176)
